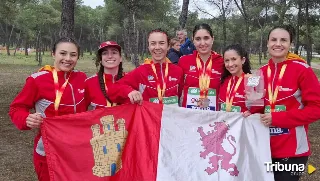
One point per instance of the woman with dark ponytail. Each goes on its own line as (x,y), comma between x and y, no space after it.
(96,87)
(232,90)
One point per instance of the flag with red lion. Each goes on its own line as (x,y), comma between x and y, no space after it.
(156,142)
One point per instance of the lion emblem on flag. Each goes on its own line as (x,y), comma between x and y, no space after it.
(212,143)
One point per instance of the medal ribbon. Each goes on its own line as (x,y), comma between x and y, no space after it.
(58,91)
(159,90)
(204,76)
(230,96)
(106,88)
(273,95)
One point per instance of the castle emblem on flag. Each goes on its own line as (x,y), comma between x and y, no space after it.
(212,143)
(108,146)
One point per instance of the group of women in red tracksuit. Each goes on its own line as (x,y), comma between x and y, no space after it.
(203,80)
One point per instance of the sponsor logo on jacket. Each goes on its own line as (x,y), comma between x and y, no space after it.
(239,95)
(284,89)
(274,131)
(192,68)
(215,72)
(172,78)
(150,78)
(81,91)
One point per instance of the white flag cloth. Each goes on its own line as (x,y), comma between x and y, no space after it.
(198,145)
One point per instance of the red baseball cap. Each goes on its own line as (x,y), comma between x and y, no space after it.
(109,44)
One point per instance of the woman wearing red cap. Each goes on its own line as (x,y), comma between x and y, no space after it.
(158,80)
(53,91)
(97,86)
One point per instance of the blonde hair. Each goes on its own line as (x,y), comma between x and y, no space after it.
(174,41)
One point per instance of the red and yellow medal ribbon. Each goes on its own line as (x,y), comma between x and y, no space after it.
(58,90)
(106,88)
(273,95)
(230,95)
(164,85)
(204,76)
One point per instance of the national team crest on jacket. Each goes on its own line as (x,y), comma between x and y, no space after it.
(150,78)
(108,146)
(212,143)
(192,68)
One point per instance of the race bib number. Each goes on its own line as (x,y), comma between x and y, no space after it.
(194,101)
(166,100)
(233,108)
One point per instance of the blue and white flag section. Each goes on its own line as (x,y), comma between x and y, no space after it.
(198,145)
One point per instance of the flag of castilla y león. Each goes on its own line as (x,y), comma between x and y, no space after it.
(154,142)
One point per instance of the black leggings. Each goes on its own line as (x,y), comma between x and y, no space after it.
(289,176)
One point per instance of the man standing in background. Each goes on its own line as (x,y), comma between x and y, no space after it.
(187,46)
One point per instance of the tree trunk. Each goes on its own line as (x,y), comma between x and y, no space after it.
(261,35)
(39,54)
(297,40)
(79,41)
(126,41)
(133,46)
(184,14)
(26,53)
(224,22)
(243,10)
(90,45)
(283,10)
(67,19)
(7,39)
(17,44)
(246,44)
(309,38)
(144,43)
(37,46)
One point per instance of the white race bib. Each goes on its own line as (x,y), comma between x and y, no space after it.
(193,99)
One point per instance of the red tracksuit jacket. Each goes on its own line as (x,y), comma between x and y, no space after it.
(38,93)
(191,77)
(143,80)
(300,96)
(93,93)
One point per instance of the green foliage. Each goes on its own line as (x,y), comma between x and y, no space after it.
(110,22)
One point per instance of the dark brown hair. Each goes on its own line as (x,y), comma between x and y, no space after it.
(246,67)
(66,40)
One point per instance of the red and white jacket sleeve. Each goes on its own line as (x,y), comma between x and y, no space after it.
(310,98)
(21,105)
(119,91)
